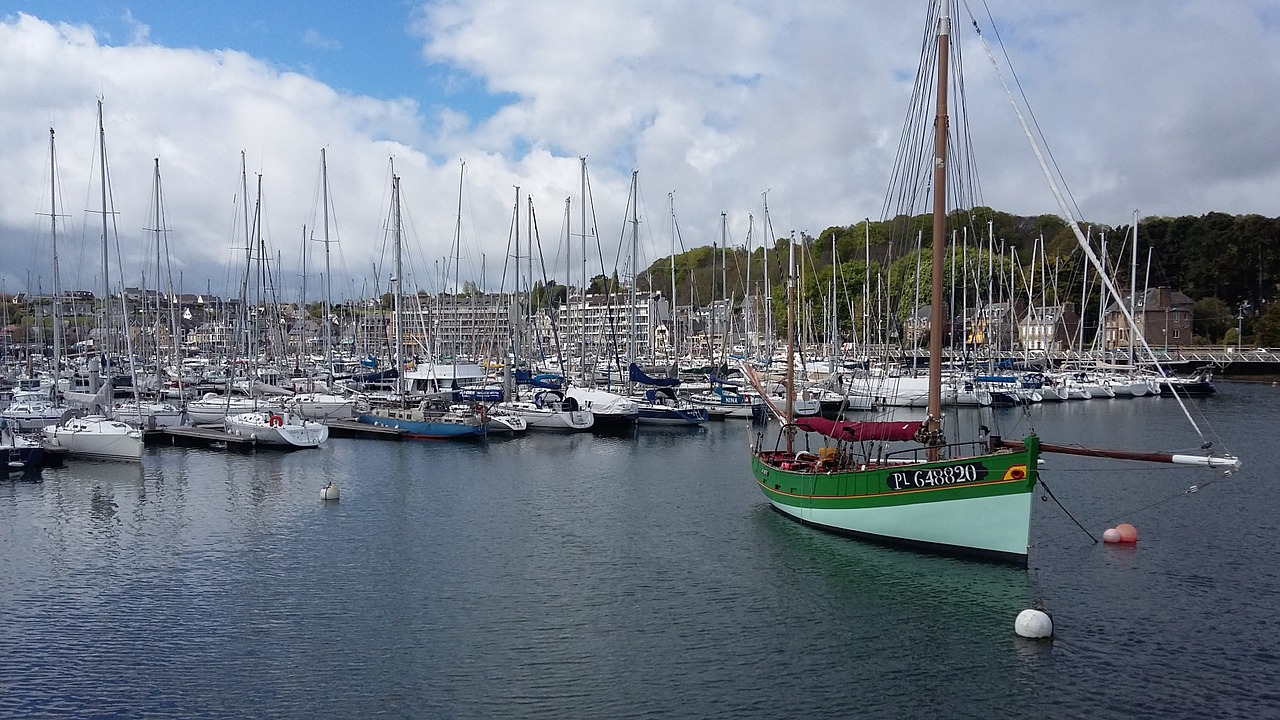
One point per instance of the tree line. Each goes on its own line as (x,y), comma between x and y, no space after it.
(1229,265)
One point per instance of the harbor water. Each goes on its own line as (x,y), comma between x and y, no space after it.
(558,576)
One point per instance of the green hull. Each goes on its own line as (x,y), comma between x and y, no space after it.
(979,506)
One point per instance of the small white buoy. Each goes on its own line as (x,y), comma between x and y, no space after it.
(329,491)
(1034,624)
(1111,535)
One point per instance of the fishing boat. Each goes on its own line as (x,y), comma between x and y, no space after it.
(436,416)
(969,498)
(431,419)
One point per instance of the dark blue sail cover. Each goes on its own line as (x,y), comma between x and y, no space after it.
(545,381)
(716,380)
(637,375)
(381,375)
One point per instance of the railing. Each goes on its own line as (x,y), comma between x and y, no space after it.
(945,452)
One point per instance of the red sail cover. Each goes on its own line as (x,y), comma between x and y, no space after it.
(859,431)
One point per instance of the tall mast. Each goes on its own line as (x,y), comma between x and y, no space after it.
(328,282)
(568,278)
(833,339)
(671,197)
(248,259)
(583,210)
(517,336)
(1133,294)
(106,280)
(791,345)
(635,274)
(940,130)
(302,304)
(396,282)
(866,291)
(163,238)
(724,287)
(57,285)
(457,260)
(749,320)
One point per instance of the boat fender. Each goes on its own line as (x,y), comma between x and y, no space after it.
(276,421)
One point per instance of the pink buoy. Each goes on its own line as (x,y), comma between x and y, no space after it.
(1128,533)
(1111,535)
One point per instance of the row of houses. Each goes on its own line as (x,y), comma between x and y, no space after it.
(1162,316)
(594,325)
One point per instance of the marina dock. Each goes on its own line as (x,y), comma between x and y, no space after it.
(356,429)
(194,436)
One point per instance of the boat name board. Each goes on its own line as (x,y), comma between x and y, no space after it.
(937,476)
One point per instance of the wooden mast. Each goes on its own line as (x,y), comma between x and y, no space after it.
(940,130)
(790,428)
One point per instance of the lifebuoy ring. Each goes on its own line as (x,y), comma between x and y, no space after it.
(275,421)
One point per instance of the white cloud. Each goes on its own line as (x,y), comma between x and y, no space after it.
(139,32)
(717,101)
(314,38)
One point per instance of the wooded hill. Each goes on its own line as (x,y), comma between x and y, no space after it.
(1228,264)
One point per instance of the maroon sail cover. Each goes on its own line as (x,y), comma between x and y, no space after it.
(859,431)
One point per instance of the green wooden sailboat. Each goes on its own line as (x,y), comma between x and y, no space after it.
(969,498)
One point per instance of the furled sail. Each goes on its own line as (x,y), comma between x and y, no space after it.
(859,431)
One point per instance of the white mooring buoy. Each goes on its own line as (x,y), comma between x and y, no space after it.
(329,491)
(1034,624)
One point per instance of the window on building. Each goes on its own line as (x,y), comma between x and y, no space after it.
(1175,333)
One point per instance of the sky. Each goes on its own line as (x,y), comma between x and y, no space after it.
(1164,107)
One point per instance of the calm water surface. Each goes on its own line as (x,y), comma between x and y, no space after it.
(581,576)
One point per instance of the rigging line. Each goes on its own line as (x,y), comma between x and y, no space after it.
(1065,510)
(1075,229)
(1189,491)
(1017,82)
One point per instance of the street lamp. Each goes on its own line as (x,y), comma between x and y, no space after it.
(1240,326)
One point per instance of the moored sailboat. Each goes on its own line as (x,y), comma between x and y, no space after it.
(283,429)
(435,416)
(97,435)
(968,498)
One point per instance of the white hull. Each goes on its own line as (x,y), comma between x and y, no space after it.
(506,423)
(998,524)
(544,418)
(737,411)
(213,409)
(1137,389)
(147,415)
(322,406)
(98,437)
(604,405)
(26,416)
(282,429)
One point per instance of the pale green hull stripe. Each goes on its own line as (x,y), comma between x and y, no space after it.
(999,524)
